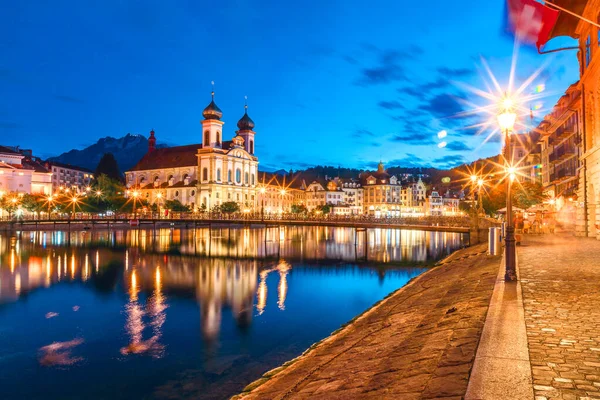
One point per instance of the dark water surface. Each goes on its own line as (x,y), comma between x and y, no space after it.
(185,313)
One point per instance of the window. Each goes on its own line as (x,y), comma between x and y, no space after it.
(238,176)
(238,197)
(193,193)
(252,147)
(217,195)
(246,178)
(204,174)
(253,179)
(219,174)
(206,138)
(229,176)
(218,138)
(177,193)
(228,196)
(588,51)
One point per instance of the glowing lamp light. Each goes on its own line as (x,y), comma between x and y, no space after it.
(282,191)
(473,178)
(13,200)
(263,190)
(480,182)
(506,120)
(98,193)
(159,195)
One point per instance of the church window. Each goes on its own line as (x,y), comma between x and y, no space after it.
(219,174)
(252,147)
(228,196)
(206,138)
(253,179)
(217,194)
(193,193)
(238,176)
(218,138)
(246,178)
(238,197)
(229,176)
(177,193)
(204,174)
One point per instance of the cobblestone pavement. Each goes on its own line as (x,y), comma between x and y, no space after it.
(560,278)
(420,343)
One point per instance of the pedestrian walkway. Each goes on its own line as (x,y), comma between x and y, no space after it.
(419,343)
(560,280)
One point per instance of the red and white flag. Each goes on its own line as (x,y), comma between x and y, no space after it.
(530,21)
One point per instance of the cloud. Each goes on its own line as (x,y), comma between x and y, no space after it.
(410,160)
(350,59)
(391,105)
(9,125)
(388,68)
(360,133)
(458,146)
(455,72)
(69,99)
(449,161)
(444,105)
(414,137)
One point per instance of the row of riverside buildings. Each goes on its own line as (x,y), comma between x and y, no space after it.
(21,172)
(207,174)
(563,152)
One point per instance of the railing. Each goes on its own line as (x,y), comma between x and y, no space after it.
(442,221)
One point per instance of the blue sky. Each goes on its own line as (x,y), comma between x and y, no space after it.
(328,82)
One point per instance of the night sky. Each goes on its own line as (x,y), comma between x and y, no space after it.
(328,82)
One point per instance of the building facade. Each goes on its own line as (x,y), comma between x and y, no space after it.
(382,193)
(588,189)
(68,176)
(202,175)
(23,174)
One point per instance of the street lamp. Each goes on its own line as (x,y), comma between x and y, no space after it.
(135,195)
(480,183)
(282,191)
(50,199)
(506,120)
(262,208)
(74,201)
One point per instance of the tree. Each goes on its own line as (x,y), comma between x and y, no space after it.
(34,203)
(176,205)
(524,195)
(299,209)
(109,167)
(325,209)
(529,194)
(229,207)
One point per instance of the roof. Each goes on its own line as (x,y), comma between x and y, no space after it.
(35,165)
(8,150)
(169,157)
(567,24)
(69,166)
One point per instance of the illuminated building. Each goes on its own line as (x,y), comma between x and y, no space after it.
(20,172)
(201,175)
(68,176)
(381,193)
(588,195)
(413,197)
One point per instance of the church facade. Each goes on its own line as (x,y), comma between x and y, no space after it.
(202,175)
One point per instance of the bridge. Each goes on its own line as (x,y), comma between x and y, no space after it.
(436,224)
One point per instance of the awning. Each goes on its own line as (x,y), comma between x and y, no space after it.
(566,23)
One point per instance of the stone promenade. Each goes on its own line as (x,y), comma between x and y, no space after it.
(560,279)
(419,343)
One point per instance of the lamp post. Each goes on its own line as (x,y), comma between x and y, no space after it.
(473,181)
(262,208)
(50,199)
(282,191)
(480,183)
(506,120)
(135,195)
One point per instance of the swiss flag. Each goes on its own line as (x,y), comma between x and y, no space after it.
(531,21)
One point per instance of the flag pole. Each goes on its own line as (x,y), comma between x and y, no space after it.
(572,13)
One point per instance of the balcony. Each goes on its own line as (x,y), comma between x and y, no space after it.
(563,133)
(562,175)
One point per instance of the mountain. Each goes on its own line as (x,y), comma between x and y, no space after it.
(128,150)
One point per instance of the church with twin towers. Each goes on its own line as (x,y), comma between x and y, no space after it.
(202,175)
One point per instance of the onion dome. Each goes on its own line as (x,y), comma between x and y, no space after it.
(245,123)
(212,111)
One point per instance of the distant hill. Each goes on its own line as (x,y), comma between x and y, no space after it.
(128,150)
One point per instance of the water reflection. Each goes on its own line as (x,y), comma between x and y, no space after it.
(244,299)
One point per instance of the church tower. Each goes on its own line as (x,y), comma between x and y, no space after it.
(246,126)
(151,142)
(212,126)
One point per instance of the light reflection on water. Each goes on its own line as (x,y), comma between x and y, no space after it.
(195,313)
